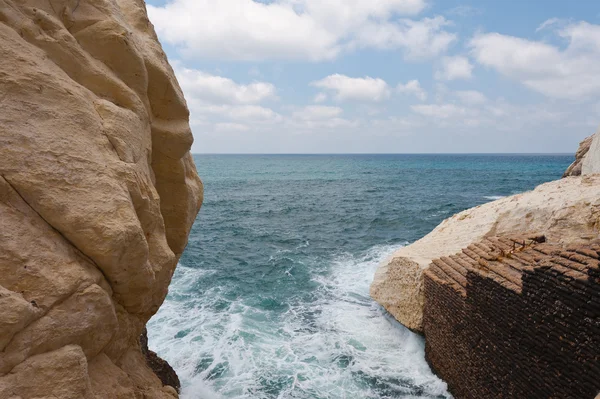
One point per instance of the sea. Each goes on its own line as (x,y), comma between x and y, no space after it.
(271,297)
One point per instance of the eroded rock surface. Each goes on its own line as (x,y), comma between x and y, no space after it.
(98,192)
(576,168)
(515,318)
(567,211)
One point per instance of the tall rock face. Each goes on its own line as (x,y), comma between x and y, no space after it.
(98,192)
(576,168)
(515,318)
(587,158)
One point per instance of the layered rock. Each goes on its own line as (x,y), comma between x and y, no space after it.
(515,318)
(98,192)
(576,168)
(566,211)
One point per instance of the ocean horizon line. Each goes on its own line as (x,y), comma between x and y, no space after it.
(395,153)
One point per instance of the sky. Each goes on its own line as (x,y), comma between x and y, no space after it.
(385,76)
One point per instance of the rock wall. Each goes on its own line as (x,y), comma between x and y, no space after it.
(98,192)
(591,161)
(576,168)
(567,211)
(515,318)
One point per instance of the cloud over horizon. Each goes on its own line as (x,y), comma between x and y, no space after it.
(374,76)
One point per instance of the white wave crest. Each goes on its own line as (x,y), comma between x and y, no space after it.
(337,344)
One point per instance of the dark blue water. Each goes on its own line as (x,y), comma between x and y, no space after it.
(271,296)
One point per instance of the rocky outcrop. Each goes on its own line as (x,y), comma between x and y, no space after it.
(587,158)
(575,169)
(566,211)
(591,162)
(515,318)
(98,192)
(161,368)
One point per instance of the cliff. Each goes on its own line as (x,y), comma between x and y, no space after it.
(98,192)
(587,158)
(515,318)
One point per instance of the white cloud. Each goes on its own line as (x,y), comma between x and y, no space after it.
(439,111)
(217,89)
(320,97)
(453,68)
(420,39)
(318,117)
(464,11)
(548,23)
(412,87)
(361,89)
(312,30)
(231,127)
(470,97)
(251,112)
(254,113)
(318,112)
(570,73)
(499,115)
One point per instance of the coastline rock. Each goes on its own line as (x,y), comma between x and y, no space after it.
(587,158)
(575,169)
(591,162)
(566,211)
(515,318)
(98,193)
(161,368)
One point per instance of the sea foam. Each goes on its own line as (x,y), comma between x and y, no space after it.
(334,343)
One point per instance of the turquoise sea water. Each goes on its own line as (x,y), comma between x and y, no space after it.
(271,296)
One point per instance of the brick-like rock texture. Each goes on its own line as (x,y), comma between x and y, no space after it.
(515,318)
(566,210)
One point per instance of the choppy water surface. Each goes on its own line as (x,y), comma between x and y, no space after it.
(271,296)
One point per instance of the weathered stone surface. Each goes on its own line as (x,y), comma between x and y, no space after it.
(59,374)
(98,192)
(515,318)
(567,210)
(575,169)
(591,161)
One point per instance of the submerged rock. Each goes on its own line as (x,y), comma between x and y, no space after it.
(98,192)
